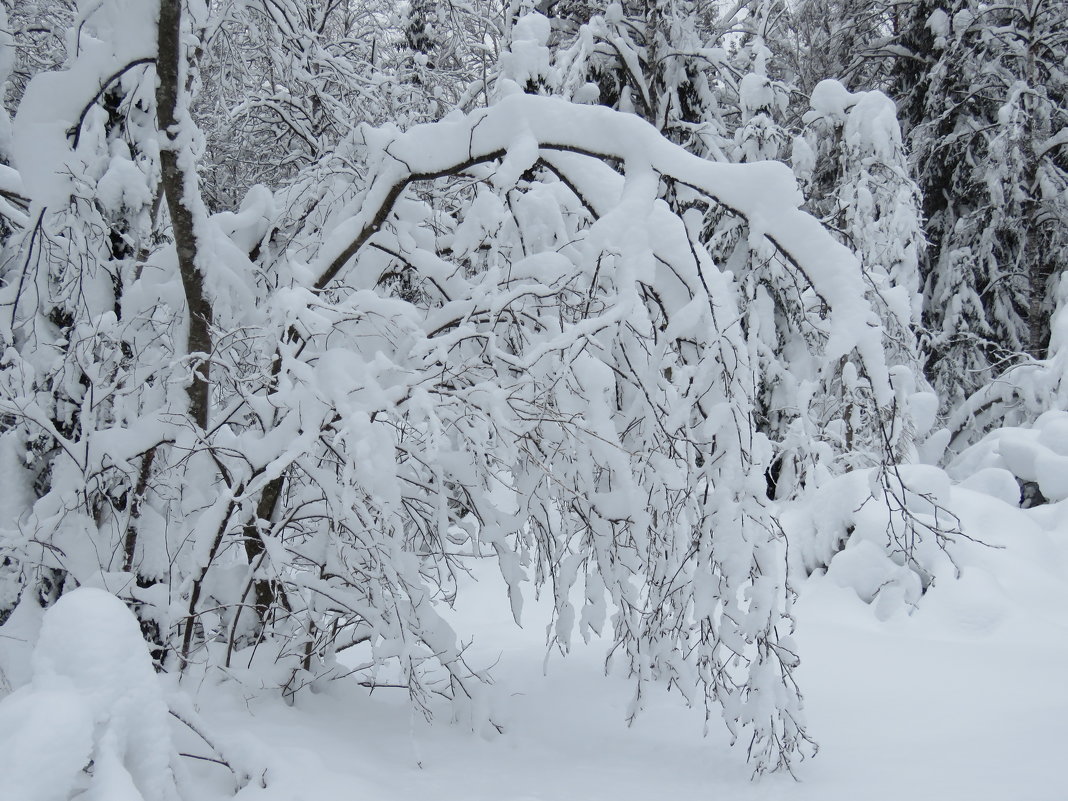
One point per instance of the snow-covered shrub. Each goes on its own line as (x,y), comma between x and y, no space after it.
(92,723)
(885,538)
(863,192)
(1036,456)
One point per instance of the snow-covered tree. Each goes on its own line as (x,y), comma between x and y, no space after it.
(850,41)
(663,61)
(857,182)
(987,127)
(37,31)
(544,330)
(291,80)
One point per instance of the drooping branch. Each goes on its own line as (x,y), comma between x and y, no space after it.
(76,130)
(521,128)
(385,207)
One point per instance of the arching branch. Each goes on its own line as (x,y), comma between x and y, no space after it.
(76,130)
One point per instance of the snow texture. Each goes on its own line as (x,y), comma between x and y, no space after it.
(92,723)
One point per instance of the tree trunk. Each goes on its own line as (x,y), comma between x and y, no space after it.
(178,180)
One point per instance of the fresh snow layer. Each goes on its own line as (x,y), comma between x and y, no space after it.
(521,127)
(964,698)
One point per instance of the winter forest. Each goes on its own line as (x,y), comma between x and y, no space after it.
(484,399)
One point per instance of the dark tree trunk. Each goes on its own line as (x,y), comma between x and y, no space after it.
(176,184)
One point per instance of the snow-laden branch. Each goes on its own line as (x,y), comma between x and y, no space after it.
(520,129)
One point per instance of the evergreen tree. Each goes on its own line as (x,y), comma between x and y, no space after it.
(987,122)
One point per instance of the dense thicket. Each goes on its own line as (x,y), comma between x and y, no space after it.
(305,304)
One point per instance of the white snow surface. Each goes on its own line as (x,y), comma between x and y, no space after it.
(963,698)
(958,694)
(1038,453)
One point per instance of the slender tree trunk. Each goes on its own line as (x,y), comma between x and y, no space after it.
(1036,130)
(180,187)
(254,546)
(179,181)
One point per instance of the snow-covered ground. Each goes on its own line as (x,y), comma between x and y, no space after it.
(964,698)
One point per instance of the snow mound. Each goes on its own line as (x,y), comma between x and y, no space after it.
(1038,454)
(995,482)
(854,527)
(92,723)
(865,568)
